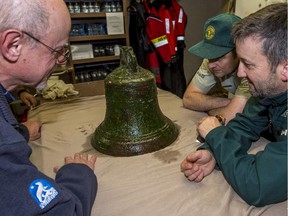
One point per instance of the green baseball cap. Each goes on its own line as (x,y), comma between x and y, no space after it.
(217,37)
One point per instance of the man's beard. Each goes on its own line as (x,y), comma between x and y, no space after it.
(266,88)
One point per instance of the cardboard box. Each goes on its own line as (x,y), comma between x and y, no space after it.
(82,51)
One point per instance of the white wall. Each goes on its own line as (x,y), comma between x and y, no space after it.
(198,11)
(245,7)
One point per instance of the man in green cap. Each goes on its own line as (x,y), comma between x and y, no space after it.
(215,88)
(258,178)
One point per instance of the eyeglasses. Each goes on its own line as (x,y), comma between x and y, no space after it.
(62,55)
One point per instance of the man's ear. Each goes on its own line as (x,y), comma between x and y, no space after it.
(284,72)
(11,44)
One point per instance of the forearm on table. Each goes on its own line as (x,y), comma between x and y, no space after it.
(250,177)
(202,102)
(236,105)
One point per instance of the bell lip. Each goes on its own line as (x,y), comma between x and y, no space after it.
(118,149)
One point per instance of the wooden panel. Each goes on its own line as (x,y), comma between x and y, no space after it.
(97,59)
(90,88)
(96,37)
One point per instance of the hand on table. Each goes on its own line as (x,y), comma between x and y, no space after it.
(80,158)
(34,128)
(28,99)
(206,124)
(198,165)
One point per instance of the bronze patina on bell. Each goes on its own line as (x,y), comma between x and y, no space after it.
(134,123)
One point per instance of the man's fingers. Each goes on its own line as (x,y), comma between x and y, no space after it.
(84,156)
(68,159)
(27,102)
(77,156)
(185,166)
(93,159)
(199,178)
(193,157)
(56,168)
(195,175)
(191,171)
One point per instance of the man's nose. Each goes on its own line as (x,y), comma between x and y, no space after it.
(241,71)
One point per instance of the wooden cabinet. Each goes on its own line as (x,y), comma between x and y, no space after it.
(89,46)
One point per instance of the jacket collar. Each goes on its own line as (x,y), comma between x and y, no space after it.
(275,100)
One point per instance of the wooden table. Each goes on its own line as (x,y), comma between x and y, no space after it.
(144,185)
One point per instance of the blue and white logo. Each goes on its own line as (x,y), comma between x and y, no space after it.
(42,192)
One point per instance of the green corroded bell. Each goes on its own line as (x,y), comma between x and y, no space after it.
(134,123)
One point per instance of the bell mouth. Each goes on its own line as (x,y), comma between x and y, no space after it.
(105,142)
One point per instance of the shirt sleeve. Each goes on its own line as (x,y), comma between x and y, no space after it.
(203,78)
(82,182)
(243,89)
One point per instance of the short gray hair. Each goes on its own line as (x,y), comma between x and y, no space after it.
(27,15)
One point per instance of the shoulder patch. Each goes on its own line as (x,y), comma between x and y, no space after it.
(42,192)
(200,74)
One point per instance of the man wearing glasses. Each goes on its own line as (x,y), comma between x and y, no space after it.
(61,55)
(33,38)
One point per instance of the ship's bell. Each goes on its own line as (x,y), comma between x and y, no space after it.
(134,123)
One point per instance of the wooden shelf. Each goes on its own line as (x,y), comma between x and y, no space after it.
(96,37)
(90,88)
(97,59)
(88,15)
(91,18)
(91,15)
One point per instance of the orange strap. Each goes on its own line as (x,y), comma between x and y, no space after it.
(221,119)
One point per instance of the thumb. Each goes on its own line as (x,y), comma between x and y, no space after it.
(56,169)
(194,156)
(27,102)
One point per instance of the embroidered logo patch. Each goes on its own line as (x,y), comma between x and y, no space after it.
(210,32)
(42,192)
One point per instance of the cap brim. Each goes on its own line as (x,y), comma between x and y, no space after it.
(209,51)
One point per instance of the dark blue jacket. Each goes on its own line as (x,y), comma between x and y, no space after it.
(26,191)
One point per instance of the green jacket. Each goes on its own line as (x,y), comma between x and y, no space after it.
(260,179)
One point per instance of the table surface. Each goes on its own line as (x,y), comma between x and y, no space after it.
(144,185)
